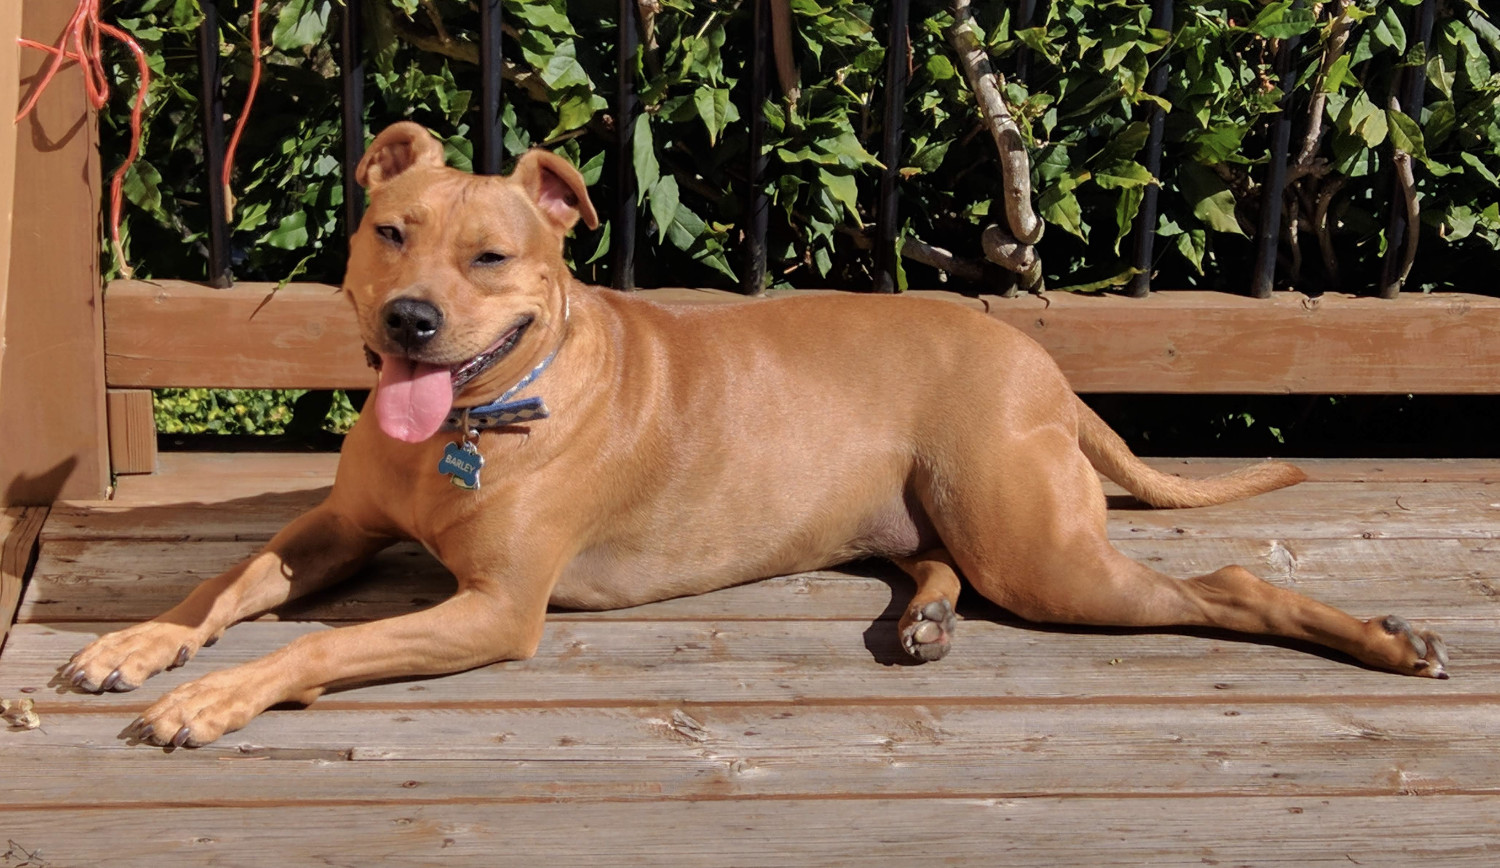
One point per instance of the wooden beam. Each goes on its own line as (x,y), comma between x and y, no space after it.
(173,333)
(1210,342)
(132,431)
(10,80)
(20,527)
(52,418)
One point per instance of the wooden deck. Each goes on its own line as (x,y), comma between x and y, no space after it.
(778,724)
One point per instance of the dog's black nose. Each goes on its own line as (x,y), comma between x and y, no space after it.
(412,322)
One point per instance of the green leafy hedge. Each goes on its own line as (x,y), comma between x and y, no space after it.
(1081,110)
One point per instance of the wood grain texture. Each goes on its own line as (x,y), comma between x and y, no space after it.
(136,579)
(631,662)
(778,723)
(1354,510)
(173,333)
(20,526)
(1454,831)
(52,418)
(132,431)
(686,751)
(10,79)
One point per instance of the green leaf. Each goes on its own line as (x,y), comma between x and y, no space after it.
(1192,244)
(1060,207)
(1406,135)
(1121,175)
(542,15)
(290,233)
(299,24)
(643,154)
(1212,200)
(844,190)
(664,204)
(1280,21)
(714,108)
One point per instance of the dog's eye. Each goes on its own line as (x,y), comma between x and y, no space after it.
(489,257)
(390,233)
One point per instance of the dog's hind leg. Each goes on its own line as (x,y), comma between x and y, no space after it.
(926,628)
(1027,529)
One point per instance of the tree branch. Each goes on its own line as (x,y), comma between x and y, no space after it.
(1014,164)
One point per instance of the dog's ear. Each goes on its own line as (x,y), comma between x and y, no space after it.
(399,147)
(556,188)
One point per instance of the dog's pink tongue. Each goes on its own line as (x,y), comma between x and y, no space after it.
(412,399)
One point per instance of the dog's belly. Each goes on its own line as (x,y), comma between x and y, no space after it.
(693,561)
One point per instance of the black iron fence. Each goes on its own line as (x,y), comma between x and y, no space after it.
(489,152)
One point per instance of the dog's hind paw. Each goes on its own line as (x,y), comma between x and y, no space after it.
(1429,653)
(927,630)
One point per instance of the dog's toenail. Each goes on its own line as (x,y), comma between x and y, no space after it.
(182,656)
(78,678)
(182,736)
(111,680)
(147,733)
(926,632)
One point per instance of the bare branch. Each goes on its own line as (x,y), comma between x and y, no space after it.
(1320,225)
(971,270)
(1338,36)
(1404,176)
(1002,248)
(781,45)
(1014,163)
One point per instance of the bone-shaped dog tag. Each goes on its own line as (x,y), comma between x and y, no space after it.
(462,462)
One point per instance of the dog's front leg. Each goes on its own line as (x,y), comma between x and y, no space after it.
(319,548)
(478,625)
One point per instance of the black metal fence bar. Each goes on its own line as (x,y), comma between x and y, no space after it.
(627,109)
(757,201)
(490,147)
(1268,235)
(490,152)
(1025,15)
(352,81)
(1408,90)
(1144,228)
(888,212)
(211,98)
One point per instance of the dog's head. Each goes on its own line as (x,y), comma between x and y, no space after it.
(458,280)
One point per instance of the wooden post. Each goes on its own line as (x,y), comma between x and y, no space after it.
(10,89)
(52,417)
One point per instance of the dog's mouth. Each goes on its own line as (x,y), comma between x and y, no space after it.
(464,372)
(414,397)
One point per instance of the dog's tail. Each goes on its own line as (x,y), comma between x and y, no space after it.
(1111,457)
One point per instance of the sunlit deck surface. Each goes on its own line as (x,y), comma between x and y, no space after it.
(779,724)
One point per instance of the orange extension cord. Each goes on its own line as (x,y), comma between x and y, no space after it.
(80,42)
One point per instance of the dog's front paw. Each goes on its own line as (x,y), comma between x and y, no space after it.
(124,659)
(199,712)
(927,630)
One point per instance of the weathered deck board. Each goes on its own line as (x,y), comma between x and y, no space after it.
(1312,510)
(775,723)
(620,662)
(1455,832)
(762,751)
(132,579)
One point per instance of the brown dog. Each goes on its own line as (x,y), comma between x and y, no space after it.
(680,449)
